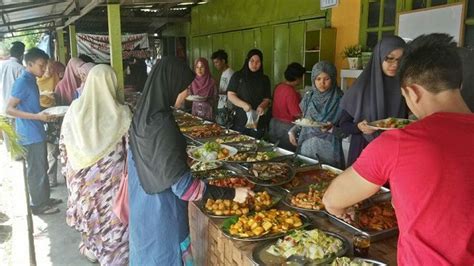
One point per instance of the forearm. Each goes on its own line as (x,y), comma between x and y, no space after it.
(20,114)
(235,100)
(265,103)
(181,98)
(347,125)
(190,189)
(346,190)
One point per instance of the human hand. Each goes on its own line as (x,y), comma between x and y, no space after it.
(327,127)
(292,138)
(364,127)
(45,117)
(242,193)
(260,111)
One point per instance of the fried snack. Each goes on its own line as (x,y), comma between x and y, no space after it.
(250,157)
(262,200)
(265,222)
(204,131)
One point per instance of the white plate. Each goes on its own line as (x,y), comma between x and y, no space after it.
(205,166)
(309,123)
(56,110)
(196,98)
(232,152)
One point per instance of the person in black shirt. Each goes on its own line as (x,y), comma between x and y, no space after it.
(249,90)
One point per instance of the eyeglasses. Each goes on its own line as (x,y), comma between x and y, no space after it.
(391,60)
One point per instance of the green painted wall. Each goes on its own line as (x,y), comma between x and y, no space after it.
(277,27)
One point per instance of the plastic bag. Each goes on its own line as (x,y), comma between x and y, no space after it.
(252,119)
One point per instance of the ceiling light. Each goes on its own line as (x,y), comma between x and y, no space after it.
(186,3)
(202,2)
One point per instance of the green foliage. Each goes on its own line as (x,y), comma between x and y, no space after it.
(30,41)
(352,51)
(13,139)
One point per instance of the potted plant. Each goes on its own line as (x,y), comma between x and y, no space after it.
(353,54)
(365,56)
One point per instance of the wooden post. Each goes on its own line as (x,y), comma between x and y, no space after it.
(61,52)
(115,40)
(73,40)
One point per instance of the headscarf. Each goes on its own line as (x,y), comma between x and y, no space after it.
(96,122)
(66,88)
(322,106)
(374,95)
(203,85)
(245,68)
(158,147)
(467,87)
(83,72)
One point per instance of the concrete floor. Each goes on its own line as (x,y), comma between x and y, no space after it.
(54,241)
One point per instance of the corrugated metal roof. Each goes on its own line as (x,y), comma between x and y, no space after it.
(18,16)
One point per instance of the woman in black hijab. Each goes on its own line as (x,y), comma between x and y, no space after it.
(249,90)
(374,95)
(159,179)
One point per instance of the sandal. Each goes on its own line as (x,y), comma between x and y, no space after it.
(46,210)
(53,201)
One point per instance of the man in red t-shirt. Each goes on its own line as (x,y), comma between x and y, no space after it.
(429,163)
(286,106)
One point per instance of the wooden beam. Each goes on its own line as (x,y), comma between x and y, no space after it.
(26,6)
(37,19)
(61,51)
(72,40)
(115,40)
(147,20)
(93,4)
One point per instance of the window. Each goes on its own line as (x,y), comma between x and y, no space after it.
(378,18)
(469,26)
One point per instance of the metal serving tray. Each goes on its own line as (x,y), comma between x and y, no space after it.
(261,257)
(374,235)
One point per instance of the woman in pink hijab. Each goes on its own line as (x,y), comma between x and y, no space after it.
(66,90)
(83,72)
(204,86)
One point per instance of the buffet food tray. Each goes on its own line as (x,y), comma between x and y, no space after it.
(261,257)
(374,235)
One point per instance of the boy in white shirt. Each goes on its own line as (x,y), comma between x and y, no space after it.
(224,107)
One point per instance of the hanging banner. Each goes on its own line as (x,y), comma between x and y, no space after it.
(98,47)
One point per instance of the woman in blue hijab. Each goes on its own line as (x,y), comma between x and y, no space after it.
(321,104)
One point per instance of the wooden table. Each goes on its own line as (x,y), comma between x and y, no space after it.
(211,247)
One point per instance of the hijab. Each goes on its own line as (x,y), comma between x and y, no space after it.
(83,71)
(322,106)
(245,68)
(66,88)
(96,122)
(203,85)
(158,147)
(374,95)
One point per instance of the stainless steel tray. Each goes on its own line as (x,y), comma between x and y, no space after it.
(304,219)
(277,195)
(262,257)
(373,262)
(267,183)
(374,235)
(287,201)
